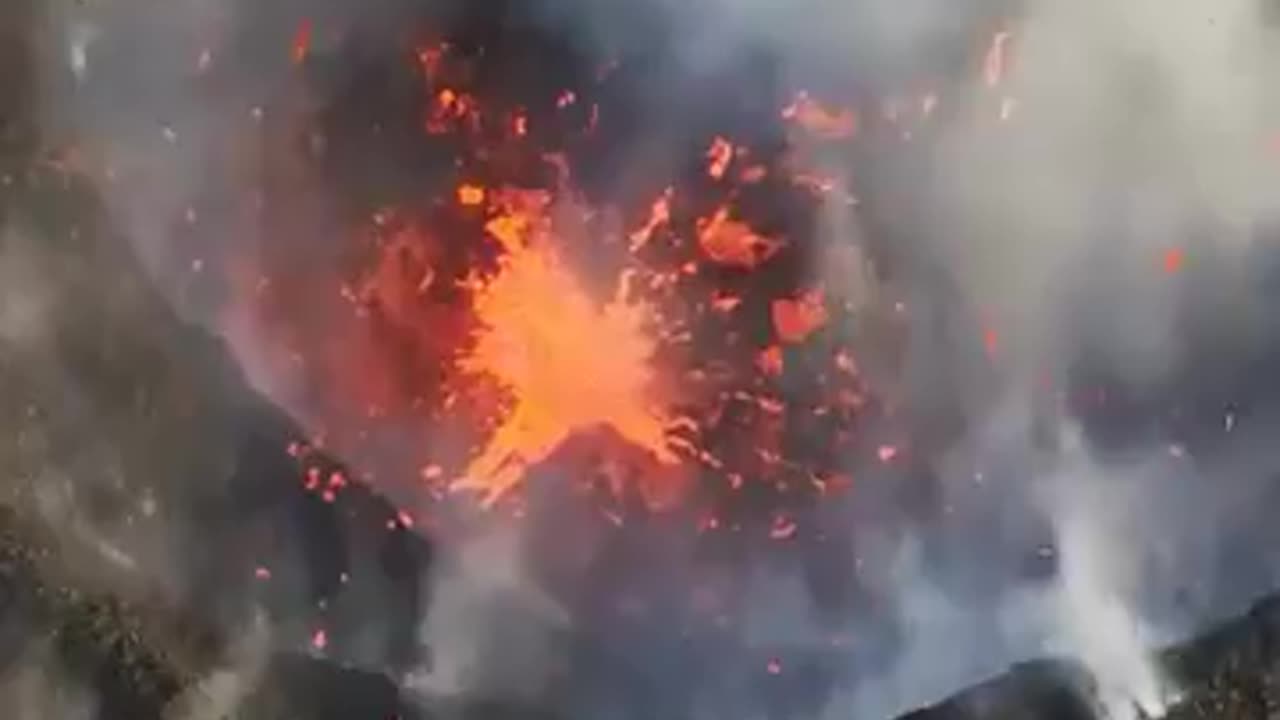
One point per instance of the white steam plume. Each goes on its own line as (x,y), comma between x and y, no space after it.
(489,629)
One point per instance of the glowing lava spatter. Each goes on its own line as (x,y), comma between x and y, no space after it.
(568,364)
(468,325)
(822,121)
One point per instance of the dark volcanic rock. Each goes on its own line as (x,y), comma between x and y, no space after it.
(137,439)
(1041,690)
(72,638)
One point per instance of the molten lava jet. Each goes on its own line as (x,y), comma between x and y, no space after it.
(567,364)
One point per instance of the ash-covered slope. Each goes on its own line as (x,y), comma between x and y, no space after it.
(153,514)
(1233,672)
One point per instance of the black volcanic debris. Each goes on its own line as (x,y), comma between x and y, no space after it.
(86,639)
(136,663)
(1043,690)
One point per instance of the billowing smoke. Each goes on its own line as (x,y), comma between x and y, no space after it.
(1111,145)
(491,630)
(222,690)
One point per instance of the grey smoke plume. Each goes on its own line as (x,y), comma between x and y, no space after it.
(1129,130)
(1117,134)
(221,692)
(1137,128)
(36,688)
(489,628)
(1096,590)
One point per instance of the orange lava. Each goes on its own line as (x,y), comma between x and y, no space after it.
(770,361)
(784,528)
(995,62)
(463,318)
(832,124)
(451,110)
(302,42)
(795,320)
(520,124)
(991,341)
(731,242)
(567,363)
(470,195)
(719,156)
(659,215)
(430,59)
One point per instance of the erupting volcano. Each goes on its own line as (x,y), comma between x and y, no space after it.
(637,360)
(518,307)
